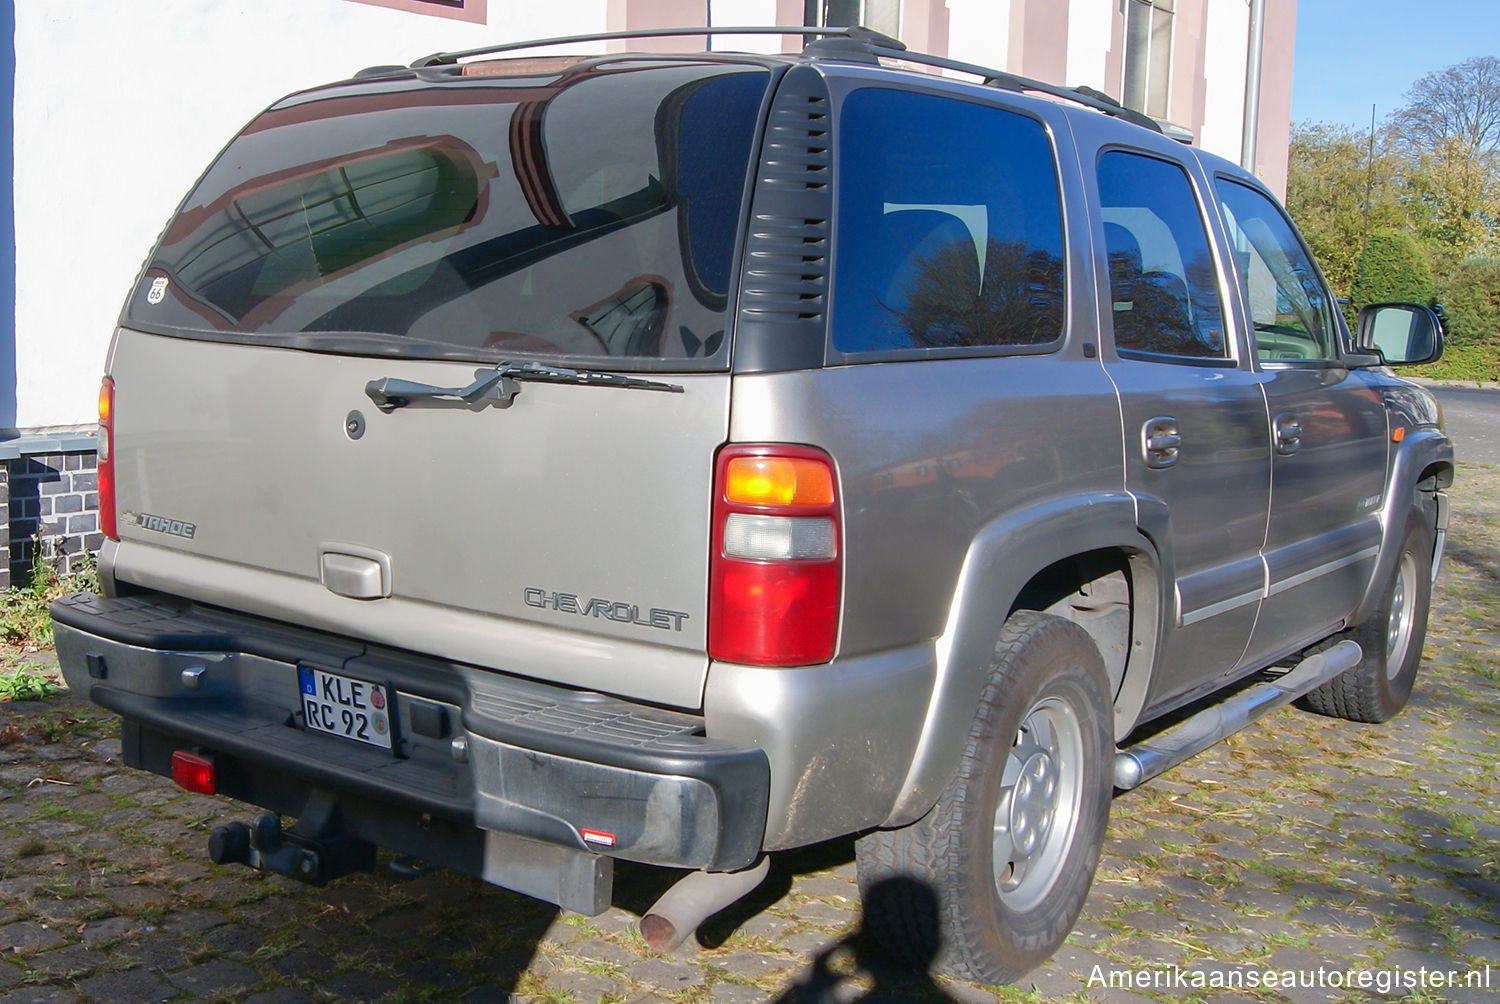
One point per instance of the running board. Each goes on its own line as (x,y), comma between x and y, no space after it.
(1167,749)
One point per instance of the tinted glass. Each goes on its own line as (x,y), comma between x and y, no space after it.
(592,215)
(1162,280)
(949,227)
(1289,309)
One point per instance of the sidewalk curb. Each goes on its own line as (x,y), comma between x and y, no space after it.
(1468,384)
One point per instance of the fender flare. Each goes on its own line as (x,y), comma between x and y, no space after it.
(1002,558)
(1416,453)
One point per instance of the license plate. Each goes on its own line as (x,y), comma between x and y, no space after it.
(344,707)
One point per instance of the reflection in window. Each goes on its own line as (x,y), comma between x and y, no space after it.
(265,237)
(950,230)
(1289,309)
(1162,280)
(592,213)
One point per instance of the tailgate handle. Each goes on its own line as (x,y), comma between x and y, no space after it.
(360,573)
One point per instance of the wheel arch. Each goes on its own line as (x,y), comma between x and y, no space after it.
(1422,465)
(1085,559)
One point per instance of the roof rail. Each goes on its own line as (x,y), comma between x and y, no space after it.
(840,42)
(863,36)
(1086,96)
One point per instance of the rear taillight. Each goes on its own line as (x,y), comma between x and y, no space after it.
(106,449)
(776,572)
(195,772)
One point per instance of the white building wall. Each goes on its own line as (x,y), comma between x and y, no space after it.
(1089,26)
(979,32)
(119,106)
(1226,35)
(743,13)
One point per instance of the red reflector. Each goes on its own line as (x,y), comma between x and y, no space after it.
(194,772)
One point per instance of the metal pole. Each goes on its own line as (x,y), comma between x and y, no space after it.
(1252,84)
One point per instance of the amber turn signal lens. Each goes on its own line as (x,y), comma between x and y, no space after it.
(778,481)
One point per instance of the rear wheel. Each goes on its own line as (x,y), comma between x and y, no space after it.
(990,881)
(1391,637)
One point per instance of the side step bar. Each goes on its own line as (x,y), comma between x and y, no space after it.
(1167,749)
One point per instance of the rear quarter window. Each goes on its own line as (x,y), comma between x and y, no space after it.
(950,233)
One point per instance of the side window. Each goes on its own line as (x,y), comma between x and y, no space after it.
(1289,308)
(1161,275)
(949,227)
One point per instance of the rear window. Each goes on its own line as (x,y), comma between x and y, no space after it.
(950,229)
(591,216)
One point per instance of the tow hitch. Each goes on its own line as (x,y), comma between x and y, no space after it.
(314,850)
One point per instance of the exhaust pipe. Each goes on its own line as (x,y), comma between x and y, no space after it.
(693,900)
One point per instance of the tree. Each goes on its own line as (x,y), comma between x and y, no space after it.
(1449,133)
(1326,194)
(1458,105)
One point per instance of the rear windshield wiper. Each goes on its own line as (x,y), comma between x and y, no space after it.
(499,384)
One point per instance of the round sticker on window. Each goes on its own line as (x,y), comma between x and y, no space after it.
(158,290)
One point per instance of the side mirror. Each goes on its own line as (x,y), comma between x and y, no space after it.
(1400,333)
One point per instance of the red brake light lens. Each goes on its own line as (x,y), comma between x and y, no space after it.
(106,449)
(776,574)
(194,772)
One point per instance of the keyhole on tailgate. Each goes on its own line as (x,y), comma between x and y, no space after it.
(354,425)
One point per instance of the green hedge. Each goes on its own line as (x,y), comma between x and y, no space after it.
(1394,268)
(1471,295)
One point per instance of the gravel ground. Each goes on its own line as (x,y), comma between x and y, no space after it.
(1299,846)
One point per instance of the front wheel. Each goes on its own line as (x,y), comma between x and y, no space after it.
(990,882)
(1391,637)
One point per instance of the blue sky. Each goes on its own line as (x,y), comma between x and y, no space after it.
(1352,53)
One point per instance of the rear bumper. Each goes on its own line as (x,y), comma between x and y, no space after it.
(476,753)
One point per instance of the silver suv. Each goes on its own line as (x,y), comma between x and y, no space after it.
(528,463)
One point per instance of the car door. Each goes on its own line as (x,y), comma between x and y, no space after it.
(1328,432)
(1196,439)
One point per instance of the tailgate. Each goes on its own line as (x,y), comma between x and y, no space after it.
(562,536)
(419,228)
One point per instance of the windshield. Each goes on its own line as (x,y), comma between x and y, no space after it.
(591,216)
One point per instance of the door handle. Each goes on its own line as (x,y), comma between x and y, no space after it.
(1161,442)
(1288,434)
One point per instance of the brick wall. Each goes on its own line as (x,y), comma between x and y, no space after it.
(49,502)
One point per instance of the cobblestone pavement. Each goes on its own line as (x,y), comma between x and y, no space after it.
(1300,843)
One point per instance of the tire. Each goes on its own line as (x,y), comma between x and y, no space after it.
(1392,637)
(1040,748)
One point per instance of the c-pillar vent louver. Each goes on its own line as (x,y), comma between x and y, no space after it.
(784,288)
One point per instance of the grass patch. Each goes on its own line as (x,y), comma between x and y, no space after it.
(26,684)
(24,620)
(1462,362)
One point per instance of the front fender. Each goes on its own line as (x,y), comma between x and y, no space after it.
(1001,560)
(1418,455)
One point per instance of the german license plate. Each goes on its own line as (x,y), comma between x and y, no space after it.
(344,707)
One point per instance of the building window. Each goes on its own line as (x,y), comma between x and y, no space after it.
(880,15)
(1148,55)
(458,10)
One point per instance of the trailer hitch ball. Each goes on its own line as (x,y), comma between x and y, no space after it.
(229,844)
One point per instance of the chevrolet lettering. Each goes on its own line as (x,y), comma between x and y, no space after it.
(624,613)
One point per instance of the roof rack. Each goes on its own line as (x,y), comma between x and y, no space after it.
(1086,96)
(839,42)
(863,36)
